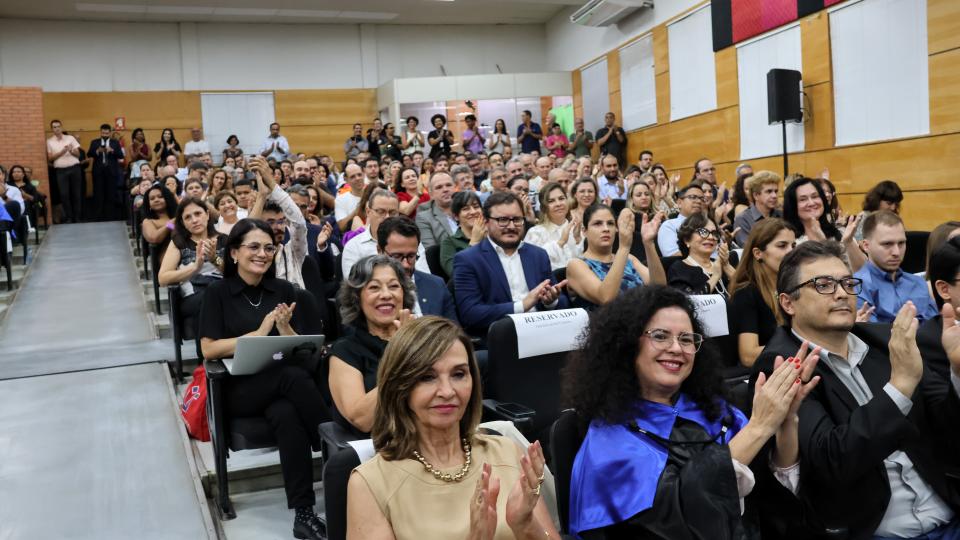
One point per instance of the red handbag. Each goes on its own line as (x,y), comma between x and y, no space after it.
(194,406)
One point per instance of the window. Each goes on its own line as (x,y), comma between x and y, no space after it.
(880,64)
(596,94)
(693,75)
(247,115)
(638,89)
(780,49)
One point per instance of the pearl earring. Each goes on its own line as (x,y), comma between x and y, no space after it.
(234,260)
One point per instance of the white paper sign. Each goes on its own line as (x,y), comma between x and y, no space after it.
(364,448)
(712,312)
(548,332)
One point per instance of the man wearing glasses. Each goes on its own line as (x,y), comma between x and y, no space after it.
(691,201)
(381,205)
(399,239)
(878,435)
(503,275)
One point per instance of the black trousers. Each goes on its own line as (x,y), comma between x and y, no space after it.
(288,397)
(336,475)
(70,185)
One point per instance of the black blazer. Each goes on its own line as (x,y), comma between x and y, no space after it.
(113,159)
(843,483)
(929,337)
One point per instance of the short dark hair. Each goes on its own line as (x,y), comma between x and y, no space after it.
(696,165)
(234,240)
(462,199)
(885,191)
(499,198)
(105,126)
(879,217)
(516,179)
(645,152)
(273,207)
(401,225)
(788,277)
(527,112)
(55,121)
(691,225)
(470,117)
(442,118)
(233,138)
(943,266)
(243,182)
(197,165)
(274,124)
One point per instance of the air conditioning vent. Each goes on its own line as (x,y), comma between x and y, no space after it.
(607,12)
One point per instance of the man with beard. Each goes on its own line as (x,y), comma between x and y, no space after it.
(878,435)
(503,275)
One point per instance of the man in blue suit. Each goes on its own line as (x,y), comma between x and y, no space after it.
(503,275)
(399,238)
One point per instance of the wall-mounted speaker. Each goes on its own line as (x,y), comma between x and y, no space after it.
(783,96)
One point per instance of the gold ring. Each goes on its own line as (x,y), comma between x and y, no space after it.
(479,499)
(542,475)
(536,491)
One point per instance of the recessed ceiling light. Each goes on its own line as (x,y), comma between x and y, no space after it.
(319,13)
(368,15)
(251,12)
(180,10)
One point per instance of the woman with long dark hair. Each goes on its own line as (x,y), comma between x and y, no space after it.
(194,258)
(499,139)
(665,455)
(251,301)
(805,211)
(168,146)
(159,210)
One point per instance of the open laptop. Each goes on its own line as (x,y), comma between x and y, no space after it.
(254,353)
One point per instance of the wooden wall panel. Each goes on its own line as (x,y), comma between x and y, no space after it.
(944,91)
(325,107)
(577,85)
(943,25)
(662,81)
(728,91)
(815,49)
(661,50)
(819,126)
(85,111)
(613,85)
(921,211)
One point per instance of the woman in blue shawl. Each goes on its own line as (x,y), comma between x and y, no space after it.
(665,456)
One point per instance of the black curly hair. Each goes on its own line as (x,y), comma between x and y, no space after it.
(600,379)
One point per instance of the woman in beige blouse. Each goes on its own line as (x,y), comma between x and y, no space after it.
(434,476)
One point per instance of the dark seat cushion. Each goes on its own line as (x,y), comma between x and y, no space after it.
(250,432)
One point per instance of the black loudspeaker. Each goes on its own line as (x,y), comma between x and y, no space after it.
(783,96)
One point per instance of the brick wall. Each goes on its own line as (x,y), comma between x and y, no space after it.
(21,131)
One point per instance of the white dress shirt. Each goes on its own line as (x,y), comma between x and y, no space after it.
(548,236)
(282,150)
(363,245)
(516,279)
(196,148)
(344,204)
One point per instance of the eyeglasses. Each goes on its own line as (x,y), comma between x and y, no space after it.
(502,222)
(277,222)
(269,249)
(409,258)
(663,340)
(828,284)
(385,213)
(706,233)
(700,198)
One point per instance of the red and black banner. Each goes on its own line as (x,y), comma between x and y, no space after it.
(737,20)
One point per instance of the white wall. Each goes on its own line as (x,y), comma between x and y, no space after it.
(107,56)
(570,46)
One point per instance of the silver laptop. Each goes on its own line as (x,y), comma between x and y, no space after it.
(255,353)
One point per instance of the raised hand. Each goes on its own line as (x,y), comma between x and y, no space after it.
(774,396)
(864,313)
(626,224)
(851,228)
(807,360)
(550,293)
(525,494)
(951,336)
(649,227)
(906,365)
(483,506)
(479,230)
(403,318)
(325,233)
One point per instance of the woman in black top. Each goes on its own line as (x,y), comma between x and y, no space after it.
(168,146)
(753,291)
(251,301)
(196,258)
(698,273)
(440,138)
(374,301)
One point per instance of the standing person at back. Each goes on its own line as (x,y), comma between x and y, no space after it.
(886,287)
(581,140)
(275,145)
(63,152)
(612,139)
(196,147)
(106,154)
(529,133)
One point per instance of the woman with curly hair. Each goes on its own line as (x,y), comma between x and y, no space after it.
(665,455)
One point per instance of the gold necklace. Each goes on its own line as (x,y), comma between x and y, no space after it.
(445,476)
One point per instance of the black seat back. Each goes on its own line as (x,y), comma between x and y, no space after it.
(915,260)
(566,436)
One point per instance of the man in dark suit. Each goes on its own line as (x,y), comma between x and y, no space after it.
(106,154)
(943,271)
(399,238)
(502,275)
(878,434)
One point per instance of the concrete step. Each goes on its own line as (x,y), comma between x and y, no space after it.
(17,273)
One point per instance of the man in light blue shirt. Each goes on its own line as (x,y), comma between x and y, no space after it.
(690,201)
(610,184)
(885,286)
(275,146)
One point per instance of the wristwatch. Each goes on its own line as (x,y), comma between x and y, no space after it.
(218,261)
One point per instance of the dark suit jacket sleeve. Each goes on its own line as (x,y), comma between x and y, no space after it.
(472,307)
(449,307)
